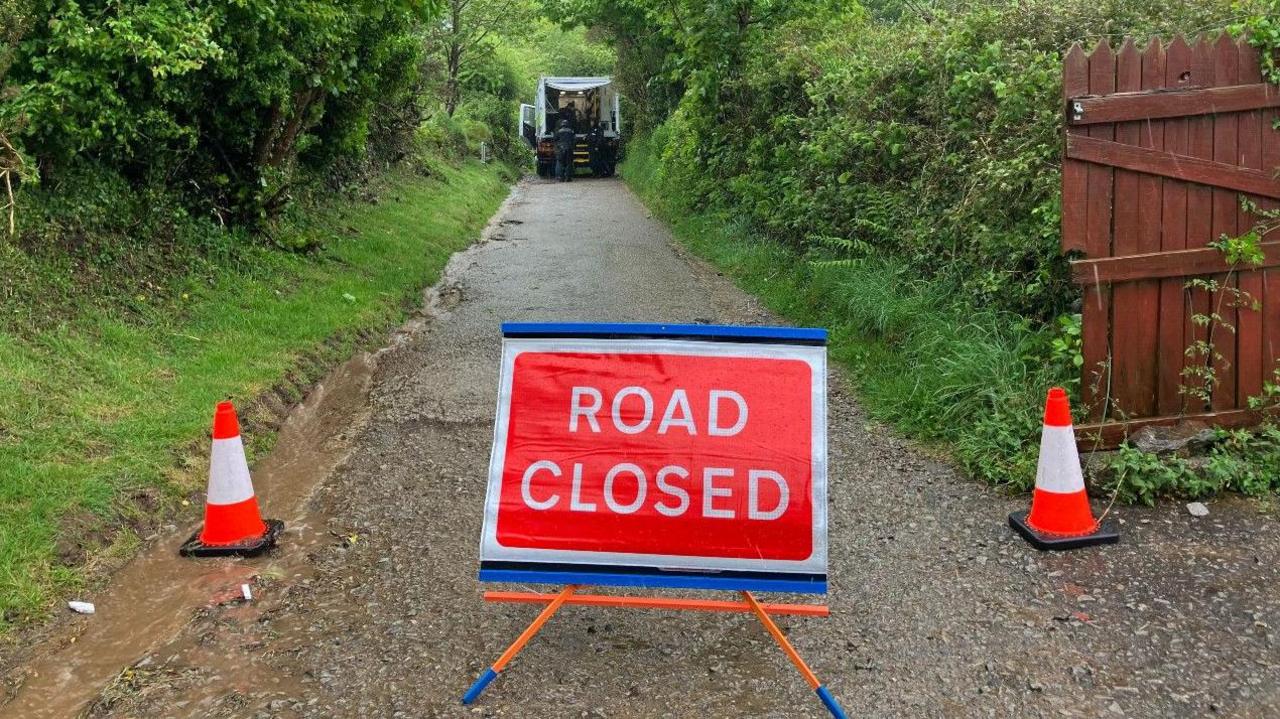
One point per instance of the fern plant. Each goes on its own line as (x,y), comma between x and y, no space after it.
(849,251)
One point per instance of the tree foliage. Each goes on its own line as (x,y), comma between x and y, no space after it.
(473,27)
(15,18)
(1261,24)
(501,72)
(220,97)
(228,109)
(928,132)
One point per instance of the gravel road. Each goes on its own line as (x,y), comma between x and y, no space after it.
(937,608)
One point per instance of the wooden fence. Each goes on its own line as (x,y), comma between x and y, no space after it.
(1161,146)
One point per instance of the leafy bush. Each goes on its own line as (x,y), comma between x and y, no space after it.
(92,239)
(936,142)
(1244,461)
(492,91)
(15,18)
(1138,476)
(1262,27)
(217,98)
(441,136)
(894,172)
(941,373)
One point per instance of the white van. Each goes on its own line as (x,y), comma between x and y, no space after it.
(591,105)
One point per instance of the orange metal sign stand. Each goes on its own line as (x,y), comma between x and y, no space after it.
(568,595)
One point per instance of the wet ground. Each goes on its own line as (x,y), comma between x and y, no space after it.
(371,608)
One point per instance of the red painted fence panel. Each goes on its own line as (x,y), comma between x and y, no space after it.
(1163,146)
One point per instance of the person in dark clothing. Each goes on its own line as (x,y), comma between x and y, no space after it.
(595,144)
(565,140)
(569,114)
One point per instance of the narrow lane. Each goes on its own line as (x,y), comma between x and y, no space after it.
(937,609)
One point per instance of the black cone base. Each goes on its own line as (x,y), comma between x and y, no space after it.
(251,548)
(1047,542)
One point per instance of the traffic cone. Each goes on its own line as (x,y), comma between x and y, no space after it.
(1060,517)
(232,522)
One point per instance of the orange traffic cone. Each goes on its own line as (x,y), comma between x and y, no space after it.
(1060,517)
(232,522)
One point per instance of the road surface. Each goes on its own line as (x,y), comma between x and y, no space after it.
(371,608)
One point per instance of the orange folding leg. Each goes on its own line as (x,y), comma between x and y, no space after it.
(828,700)
(492,673)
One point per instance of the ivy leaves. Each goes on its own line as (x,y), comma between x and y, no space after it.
(1262,26)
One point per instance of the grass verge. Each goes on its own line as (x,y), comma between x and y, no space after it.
(102,402)
(963,377)
(970,378)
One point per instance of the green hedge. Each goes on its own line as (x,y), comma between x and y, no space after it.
(967,379)
(213,99)
(932,141)
(894,175)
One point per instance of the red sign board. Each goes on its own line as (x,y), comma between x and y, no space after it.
(635,455)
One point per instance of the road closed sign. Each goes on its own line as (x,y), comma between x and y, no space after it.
(659,455)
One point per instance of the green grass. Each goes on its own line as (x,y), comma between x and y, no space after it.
(970,379)
(965,378)
(102,402)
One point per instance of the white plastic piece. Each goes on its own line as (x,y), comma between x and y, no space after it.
(248,594)
(82,607)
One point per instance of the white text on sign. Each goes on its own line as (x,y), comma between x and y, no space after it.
(673,485)
(587,402)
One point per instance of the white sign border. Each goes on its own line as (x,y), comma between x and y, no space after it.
(814,356)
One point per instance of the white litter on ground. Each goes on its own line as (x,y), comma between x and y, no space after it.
(82,607)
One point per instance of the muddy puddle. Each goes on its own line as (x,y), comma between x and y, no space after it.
(150,600)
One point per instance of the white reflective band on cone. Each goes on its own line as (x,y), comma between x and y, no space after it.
(1059,467)
(228,473)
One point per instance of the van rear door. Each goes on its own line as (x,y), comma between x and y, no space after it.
(528,128)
